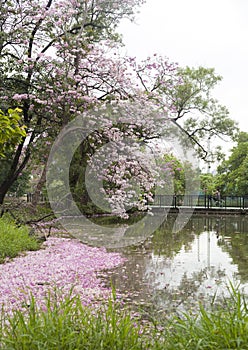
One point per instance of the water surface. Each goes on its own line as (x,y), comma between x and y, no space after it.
(174,271)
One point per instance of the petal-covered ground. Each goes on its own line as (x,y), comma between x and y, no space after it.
(63,264)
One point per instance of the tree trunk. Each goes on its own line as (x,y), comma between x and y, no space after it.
(14,172)
(7,183)
(3,190)
(37,193)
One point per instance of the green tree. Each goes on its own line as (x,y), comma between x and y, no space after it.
(208,183)
(179,175)
(233,172)
(196,112)
(176,172)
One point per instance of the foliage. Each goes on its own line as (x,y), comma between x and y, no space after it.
(11,132)
(233,172)
(208,183)
(14,240)
(176,173)
(181,176)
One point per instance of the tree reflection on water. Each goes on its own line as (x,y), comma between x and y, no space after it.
(174,271)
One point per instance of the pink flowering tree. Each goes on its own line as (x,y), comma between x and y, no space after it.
(54,64)
(59,61)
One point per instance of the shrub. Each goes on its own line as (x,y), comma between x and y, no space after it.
(14,240)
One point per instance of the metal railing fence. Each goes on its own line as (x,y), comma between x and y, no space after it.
(204,201)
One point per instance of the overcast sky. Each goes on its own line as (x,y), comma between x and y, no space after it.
(212,33)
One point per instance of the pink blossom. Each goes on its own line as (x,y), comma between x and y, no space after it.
(63,264)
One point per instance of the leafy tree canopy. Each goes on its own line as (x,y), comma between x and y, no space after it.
(194,109)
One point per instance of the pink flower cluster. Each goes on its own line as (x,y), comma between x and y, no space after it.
(63,264)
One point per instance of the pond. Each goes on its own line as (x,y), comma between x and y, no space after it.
(172,272)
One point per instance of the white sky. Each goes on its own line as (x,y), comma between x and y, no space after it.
(212,33)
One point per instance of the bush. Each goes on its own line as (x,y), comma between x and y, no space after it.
(14,240)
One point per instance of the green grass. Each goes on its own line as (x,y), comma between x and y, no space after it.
(70,326)
(14,240)
(222,327)
(67,325)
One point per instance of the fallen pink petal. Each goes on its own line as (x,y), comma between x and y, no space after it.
(63,264)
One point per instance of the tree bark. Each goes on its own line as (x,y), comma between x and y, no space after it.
(37,193)
(15,170)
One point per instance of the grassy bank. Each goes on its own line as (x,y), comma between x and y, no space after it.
(68,325)
(14,240)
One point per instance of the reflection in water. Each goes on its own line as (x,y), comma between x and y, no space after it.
(175,270)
